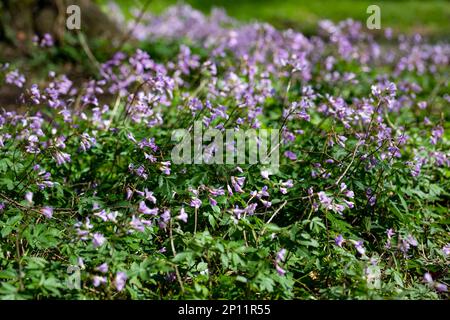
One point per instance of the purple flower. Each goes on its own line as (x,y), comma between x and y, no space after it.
(103,268)
(238,212)
(183,215)
(390,233)
(129,193)
(14,77)
(165,167)
(281,255)
(290,155)
(372,198)
(196,202)
(149,196)
(325,200)
(440,287)
(137,224)
(422,105)
(120,280)
(146,210)
(238,183)
(61,157)
(47,212)
(446,249)
(411,240)
(98,280)
(98,239)
(166,215)
(436,134)
(280,270)
(339,240)
(359,247)
(29,197)
(427,278)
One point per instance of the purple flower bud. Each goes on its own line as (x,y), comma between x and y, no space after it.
(359,247)
(446,249)
(183,215)
(103,268)
(120,280)
(440,287)
(146,210)
(281,255)
(29,197)
(98,280)
(196,202)
(47,212)
(98,240)
(339,240)
(427,278)
(280,270)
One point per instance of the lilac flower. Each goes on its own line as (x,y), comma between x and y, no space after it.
(29,197)
(103,268)
(61,157)
(427,278)
(80,262)
(446,249)
(120,280)
(339,240)
(2,206)
(86,142)
(146,210)
(250,209)
(47,40)
(166,215)
(280,270)
(129,193)
(230,191)
(14,77)
(281,255)
(404,246)
(149,196)
(98,280)
(325,200)
(359,247)
(183,215)
(47,212)
(422,105)
(195,202)
(137,224)
(436,134)
(238,183)
(212,201)
(35,94)
(440,287)
(98,239)
(290,155)
(390,233)
(372,198)
(412,241)
(265,203)
(165,167)
(238,212)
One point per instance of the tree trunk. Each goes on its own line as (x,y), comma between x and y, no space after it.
(20,20)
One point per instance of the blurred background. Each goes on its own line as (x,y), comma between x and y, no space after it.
(428,17)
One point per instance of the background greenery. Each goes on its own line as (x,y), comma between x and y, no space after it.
(429,17)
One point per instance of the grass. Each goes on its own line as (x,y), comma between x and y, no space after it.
(430,18)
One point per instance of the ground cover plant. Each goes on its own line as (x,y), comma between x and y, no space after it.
(92,205)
